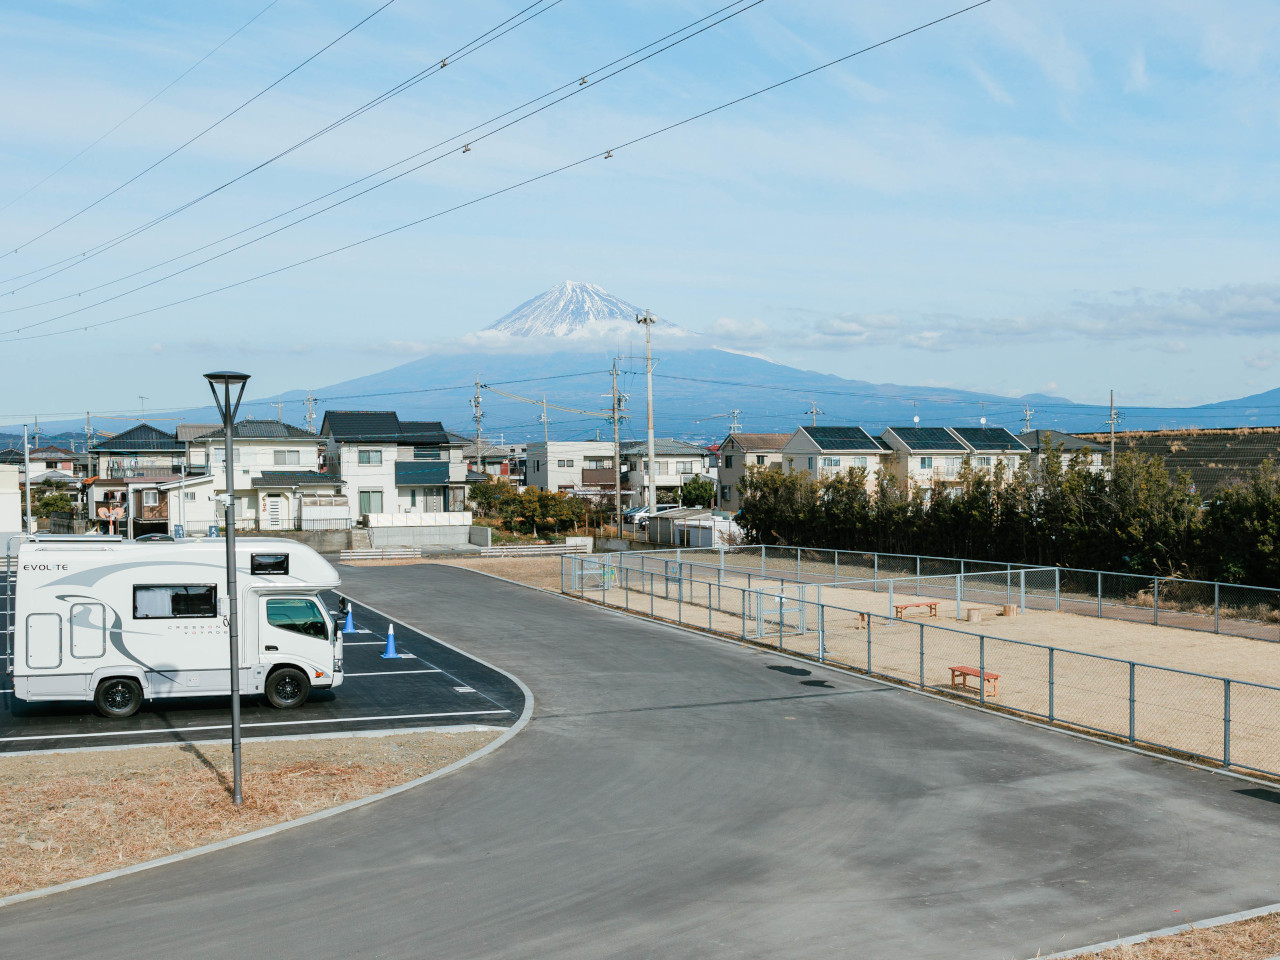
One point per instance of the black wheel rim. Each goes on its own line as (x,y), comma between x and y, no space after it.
(118,696)
(288,688)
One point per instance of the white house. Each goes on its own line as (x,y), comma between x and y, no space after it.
(1039,442)
(828,451)
(582,467)
(738,453)
(393,466)
(932,458)
(675,464)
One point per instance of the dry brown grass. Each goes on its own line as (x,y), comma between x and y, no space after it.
(1256,939)
(541,572)
(65,816)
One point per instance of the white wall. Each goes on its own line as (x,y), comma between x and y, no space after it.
(10,498)
(542,462)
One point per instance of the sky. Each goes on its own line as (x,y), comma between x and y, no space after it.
(1052,197)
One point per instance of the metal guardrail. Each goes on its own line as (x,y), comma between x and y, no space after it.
(1233,723)
(381,553)
(534,549)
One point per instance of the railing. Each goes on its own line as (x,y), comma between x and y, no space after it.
(534,549)
(1223,608)
(1217,719)
(380,553)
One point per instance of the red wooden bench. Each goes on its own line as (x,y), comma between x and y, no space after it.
(931,604)
(960,679)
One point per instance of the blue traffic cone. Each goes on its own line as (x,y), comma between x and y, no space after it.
(390,652)
(350,625)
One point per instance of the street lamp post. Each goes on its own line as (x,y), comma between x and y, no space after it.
(228,410)
(647,321)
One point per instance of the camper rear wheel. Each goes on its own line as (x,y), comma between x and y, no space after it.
(287,687)
(118,697)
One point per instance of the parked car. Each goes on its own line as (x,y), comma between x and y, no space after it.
(642,520)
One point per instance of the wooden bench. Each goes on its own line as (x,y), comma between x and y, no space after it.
(960,679)
(931,604)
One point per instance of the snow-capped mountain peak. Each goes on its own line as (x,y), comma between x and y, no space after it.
(567,309)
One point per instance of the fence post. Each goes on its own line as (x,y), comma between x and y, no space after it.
(1216,585)
(959,615)
(982,669)
(780,598)
(875,573)
(1051,684)
(1133,667)
(890,600)
(626,588)
(917,575)
(1226,722)
(869,639)
(835,575)
(1155,597)
(743,605)
(1099,593)
(1008,583)
(797,561)
(1057,588)
(922,656)
(1022,591)
(762,558)
(822,633)
(653,588)
(679,600)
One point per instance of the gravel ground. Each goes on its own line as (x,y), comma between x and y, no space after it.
(70,815)
(1256,939)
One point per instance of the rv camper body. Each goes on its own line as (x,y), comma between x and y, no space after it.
(115,621)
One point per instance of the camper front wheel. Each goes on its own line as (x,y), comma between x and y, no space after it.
(118,698)
(288,687)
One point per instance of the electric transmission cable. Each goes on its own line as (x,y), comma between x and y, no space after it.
(598,155)
(154,97)
(577,85)
(436,66)
(216,123)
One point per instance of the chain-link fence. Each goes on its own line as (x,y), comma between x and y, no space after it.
(1225,608)
(1229,722)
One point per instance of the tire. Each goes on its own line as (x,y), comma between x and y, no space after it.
(118,697)
(287,688)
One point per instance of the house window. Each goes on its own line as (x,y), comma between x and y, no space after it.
(369,457)
(561,463)
(286,458)
(426,453)
(569,462)
(759,459)
(370,501)
(662,468)
(599,463)
(926,463)
(725,493)
(982,461)
(728,460)
(169,602)
(151,498)
(831,461)
(189,495)
(858,461)
(811,463)
(413,498)
(684,466)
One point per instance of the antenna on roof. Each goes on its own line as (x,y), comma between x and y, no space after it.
(916,419)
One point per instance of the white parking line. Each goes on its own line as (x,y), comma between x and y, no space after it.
(363,643)
(388,673)
(274,723)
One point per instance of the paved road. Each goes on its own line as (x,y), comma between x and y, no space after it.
(428,684)
(680,797)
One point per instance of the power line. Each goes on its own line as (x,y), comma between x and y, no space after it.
(503,190)
(219,121)
(576,88)
(465,50)
(154,97)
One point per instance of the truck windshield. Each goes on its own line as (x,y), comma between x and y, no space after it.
(300,616)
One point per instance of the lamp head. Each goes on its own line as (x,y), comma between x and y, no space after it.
(227,377)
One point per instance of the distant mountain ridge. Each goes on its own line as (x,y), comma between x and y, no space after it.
(569,308)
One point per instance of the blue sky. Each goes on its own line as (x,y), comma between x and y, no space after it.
(1034,197)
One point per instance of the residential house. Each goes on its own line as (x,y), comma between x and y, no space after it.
(127,471)
(579,467)
(58,460)
(933,458)
(497,458)
(737,454)
(1040,442)
(828,451)
(675,463)
(394,466)
(275,478)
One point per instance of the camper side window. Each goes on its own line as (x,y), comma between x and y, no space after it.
(168,602)
(299,616)
(268,563)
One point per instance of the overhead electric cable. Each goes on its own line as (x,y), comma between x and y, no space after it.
(436,66)
(315,213)
(154,97)
(503,190)
(575,83)
(216,123)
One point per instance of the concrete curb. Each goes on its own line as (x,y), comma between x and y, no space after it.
(1166,932)
(515,728)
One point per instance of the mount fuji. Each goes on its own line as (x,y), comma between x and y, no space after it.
(568,309)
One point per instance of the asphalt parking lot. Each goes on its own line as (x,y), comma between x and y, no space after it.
(427,685)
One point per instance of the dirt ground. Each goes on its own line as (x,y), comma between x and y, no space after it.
(1256,939)
(70,815)
(541,572)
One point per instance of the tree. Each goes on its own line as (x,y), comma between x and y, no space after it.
(698,492)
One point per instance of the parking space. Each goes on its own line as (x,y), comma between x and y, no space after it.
(426,685)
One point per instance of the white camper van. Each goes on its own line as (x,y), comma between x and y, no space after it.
(116,621)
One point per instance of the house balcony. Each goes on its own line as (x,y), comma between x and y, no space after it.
(599,477)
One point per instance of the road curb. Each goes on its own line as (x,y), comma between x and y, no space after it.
(1166,932)
(264,832)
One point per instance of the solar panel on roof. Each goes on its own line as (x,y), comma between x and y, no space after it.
(989,438)
(928,438)
(841,438)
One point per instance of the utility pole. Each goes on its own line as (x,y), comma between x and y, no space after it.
(478,417)
(26,478)
(279,405)
(311,412)
(88,433)
(142,407)
(813,412)
(617,452)
(647,321)
(546,429)
(734,426)
(1112,420)
(1026,416)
